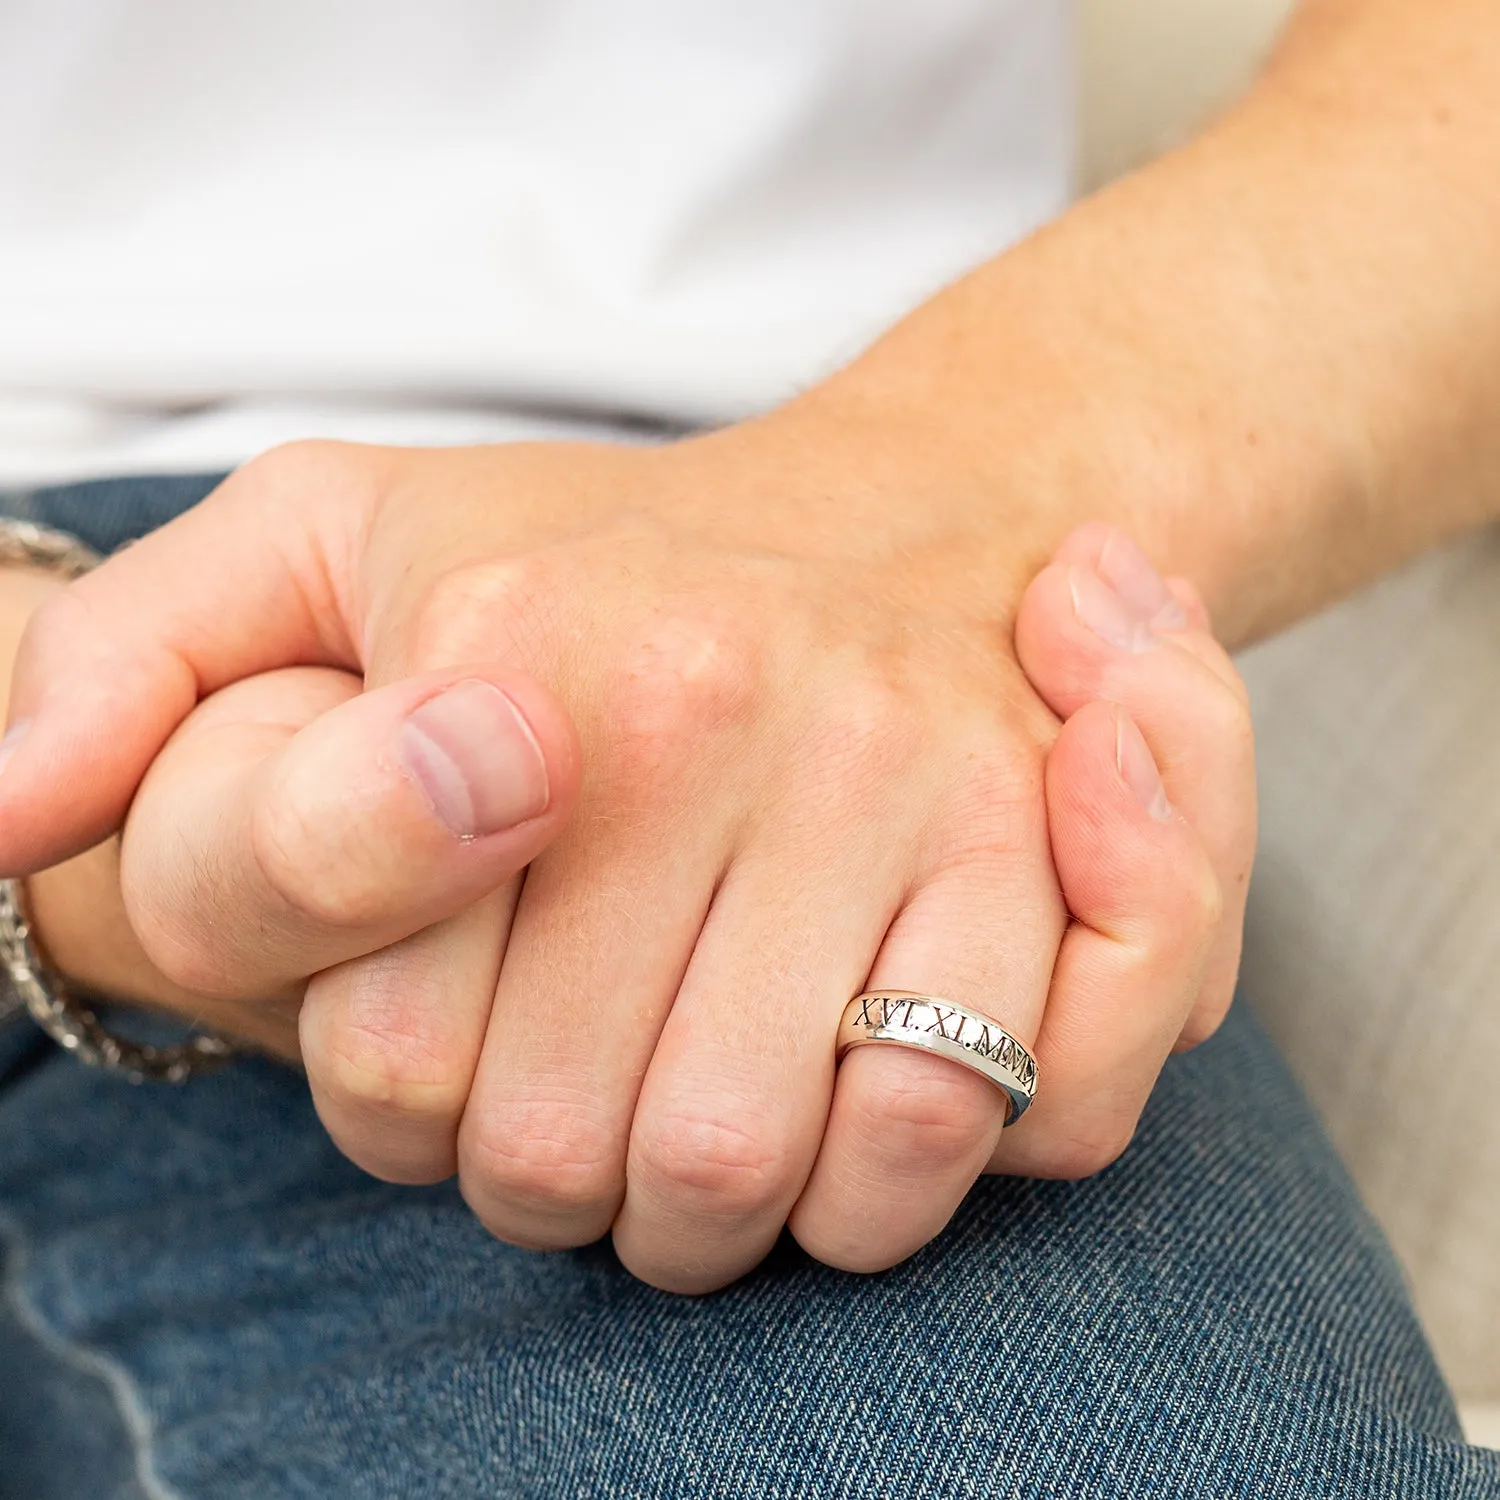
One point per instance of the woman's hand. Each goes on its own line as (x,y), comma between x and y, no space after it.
(787,803)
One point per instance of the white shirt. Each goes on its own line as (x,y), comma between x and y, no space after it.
(223,225)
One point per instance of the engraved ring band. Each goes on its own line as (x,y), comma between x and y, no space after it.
(907,1019)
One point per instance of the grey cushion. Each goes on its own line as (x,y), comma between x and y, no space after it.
(1373,949)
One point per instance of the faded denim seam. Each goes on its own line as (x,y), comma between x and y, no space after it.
(123,1390)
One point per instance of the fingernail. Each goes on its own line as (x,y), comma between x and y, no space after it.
(10,742)
(1129,572)
(475,759)
(1106,613)
(1137,769)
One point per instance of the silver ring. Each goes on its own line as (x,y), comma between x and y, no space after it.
(907,1019)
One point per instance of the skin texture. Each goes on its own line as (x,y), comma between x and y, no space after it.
(1271,355)
(396,1044)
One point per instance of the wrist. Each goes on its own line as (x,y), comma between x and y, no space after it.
(1096,406)
(1252,354)
(966,494)
(889,496)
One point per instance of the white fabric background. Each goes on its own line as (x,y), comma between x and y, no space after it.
(1373,946)
(683,208)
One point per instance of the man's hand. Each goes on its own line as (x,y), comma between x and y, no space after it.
(806,775)
(813,759)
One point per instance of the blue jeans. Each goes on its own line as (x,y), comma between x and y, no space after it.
(205,1301)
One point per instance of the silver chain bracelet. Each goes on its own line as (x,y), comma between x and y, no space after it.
(33,985)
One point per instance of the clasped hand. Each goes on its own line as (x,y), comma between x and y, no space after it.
(564,795)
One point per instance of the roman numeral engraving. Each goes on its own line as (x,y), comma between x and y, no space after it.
(924,1017)
(892,1007)
(940,1024)
(890,1012)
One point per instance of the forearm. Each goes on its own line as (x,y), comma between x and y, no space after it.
(1275,353)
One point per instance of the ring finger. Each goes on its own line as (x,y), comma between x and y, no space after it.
(909,1132)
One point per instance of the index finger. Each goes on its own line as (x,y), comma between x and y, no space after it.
(111,665)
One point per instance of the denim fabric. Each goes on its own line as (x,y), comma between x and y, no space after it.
(107,513)
(205,1301)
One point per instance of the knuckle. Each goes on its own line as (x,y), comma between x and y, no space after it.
(549,1160)
(714,1160)
(693,670)
(865,734)
(869,727)
(483,610)
(364,1073)
(386,1065)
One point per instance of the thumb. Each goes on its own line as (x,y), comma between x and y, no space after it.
(112,664)
(294,823)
